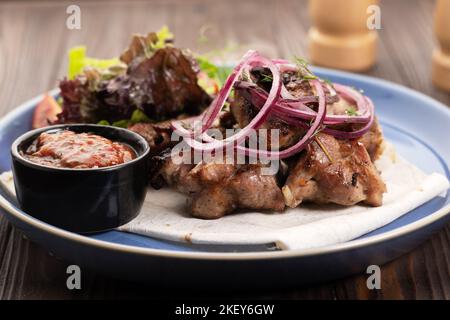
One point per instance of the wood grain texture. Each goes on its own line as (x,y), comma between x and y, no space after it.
(33,46)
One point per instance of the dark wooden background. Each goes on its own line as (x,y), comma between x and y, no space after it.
(33,45)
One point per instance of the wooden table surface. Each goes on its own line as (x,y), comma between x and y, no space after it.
(33,45)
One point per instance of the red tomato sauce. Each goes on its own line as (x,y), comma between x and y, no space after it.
(67,149)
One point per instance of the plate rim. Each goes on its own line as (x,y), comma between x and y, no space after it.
(280,254)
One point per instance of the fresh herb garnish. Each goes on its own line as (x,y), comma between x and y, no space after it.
(266,78)
(309,77)
(303,69)
(302,62)
(203,38)
(351,111)
(321,145)
(318,130)
(327,81)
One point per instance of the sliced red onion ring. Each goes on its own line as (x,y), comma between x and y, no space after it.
(334,132)
(357,133)
(272,98)
(280,61)
(281,104)
(297,108)
(299,146)
(286,67)
(213,111)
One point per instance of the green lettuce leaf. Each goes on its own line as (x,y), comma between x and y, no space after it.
(164,36)
(139,116)
(78,61)
(136,117)
(218,73)
(121,123)
(104,123)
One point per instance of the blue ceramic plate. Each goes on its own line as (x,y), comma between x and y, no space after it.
(417,125)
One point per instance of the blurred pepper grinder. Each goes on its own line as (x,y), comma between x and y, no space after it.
(340,37)
(441,56)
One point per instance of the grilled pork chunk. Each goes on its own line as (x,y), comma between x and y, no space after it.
(243,111)
(373,141)
(334,171)
(217,189)
(156,134)
(329,170)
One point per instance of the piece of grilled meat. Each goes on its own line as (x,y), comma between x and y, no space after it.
(373,141)
(217,189)
(244,111)
(334,171)
(157,135)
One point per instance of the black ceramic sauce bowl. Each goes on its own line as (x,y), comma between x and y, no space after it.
(82,200)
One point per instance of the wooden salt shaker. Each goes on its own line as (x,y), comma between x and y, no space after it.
(441,56)
(339,37)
